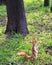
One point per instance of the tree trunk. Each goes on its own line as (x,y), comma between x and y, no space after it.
(46,3)
(2,2)
(51,8)
(16,17)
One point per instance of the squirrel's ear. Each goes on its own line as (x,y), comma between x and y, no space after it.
(36,39)
(31,41)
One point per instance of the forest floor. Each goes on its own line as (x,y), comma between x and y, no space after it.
(39,22)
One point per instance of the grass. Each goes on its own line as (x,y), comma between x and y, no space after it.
(2,10)
(39,21)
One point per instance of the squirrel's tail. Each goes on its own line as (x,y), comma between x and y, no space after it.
(23,54)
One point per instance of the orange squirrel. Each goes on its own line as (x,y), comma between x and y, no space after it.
(34,51)
(34,48)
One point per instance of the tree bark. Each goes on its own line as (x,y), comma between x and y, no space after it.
(2,2)
(46,3)
(51,9)
(16,17)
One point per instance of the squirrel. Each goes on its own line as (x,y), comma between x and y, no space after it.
(34,48)
(34,51)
